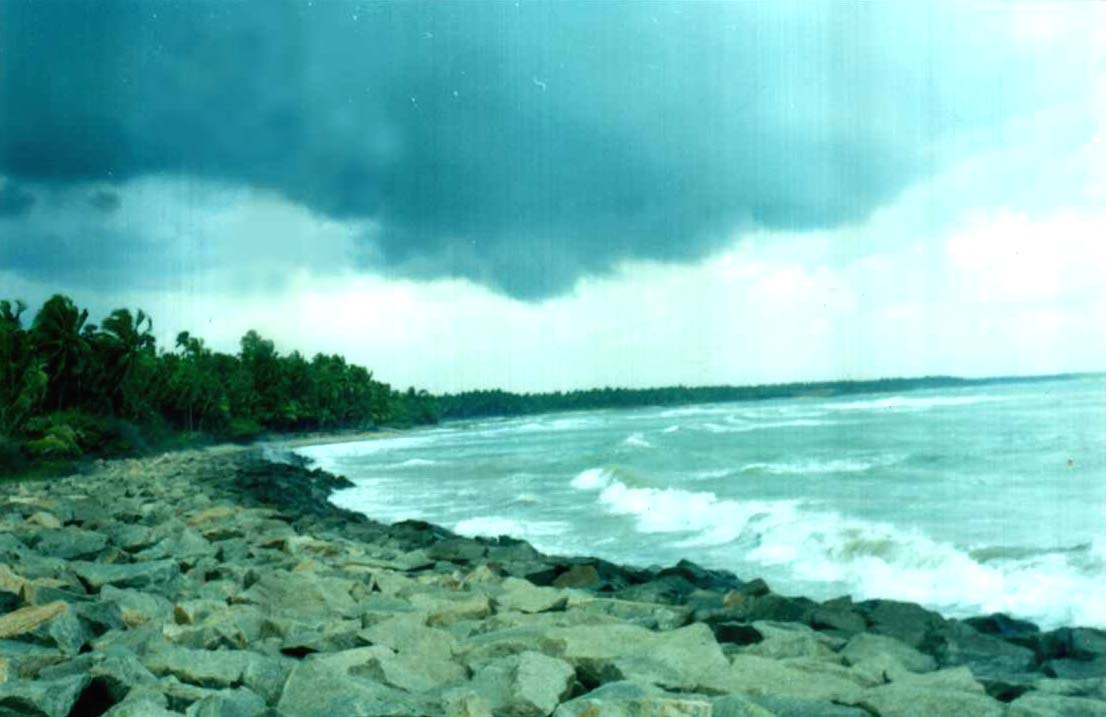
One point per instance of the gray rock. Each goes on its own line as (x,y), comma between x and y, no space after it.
(525,685)
(1039,705)
(897,700)
(204,668)
(986,655)
(228,703)
(903,621)
(739,706)
(136,607)
(1069,669)
(41,698)
(866,646)
(318,689)
(625,699)
(126,575)
(523,596)
(796,707)
(280,592)
(70,543)
(613,652)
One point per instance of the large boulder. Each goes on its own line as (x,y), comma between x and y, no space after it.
(523,596)
(318,688)
(676,659)
(903,621)
(1035,704)
(529,684)
(986,655)
(70,543)
(867,646)
(753,675)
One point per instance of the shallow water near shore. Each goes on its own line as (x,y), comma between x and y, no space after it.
(967,500)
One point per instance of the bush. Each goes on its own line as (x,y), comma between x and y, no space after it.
(243,429)
(59,442)
(12,460)
(97,435)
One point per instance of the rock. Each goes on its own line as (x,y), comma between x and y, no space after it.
(410,634)
(266,676)
(130,537)
(411,672)
(136,607)
(897,700)
(144,704)
(1020,632)
(754,675)
(525,685)
(316,689)
(782,640)
(280,592)
(1038,705)
(986,655)
(228,703)
(578,576)
(53,624)
(953,678)
(445,609)
(625,699)
(736,633)
(1076,643)
(839,620)
(866,646)
(185,546)
(41,698)
(152,574)
(70,543)
(739,706)
(457,550)
(903,621)
(523,596)
(204,668)
(1069,669)
(670,590)
(797,707)
(464,702)
(676,659)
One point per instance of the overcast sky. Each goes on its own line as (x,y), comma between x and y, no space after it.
(557,195)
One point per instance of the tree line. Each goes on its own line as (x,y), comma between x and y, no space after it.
(71,388)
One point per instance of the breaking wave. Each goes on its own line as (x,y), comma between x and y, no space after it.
(866,558)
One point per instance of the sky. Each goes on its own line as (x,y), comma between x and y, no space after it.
(553,195)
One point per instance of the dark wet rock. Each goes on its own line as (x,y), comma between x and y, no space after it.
(1020,632)
(1078,643)
(736,633)
(457,550)
(577,576)
(671,590)
(903,621)
(840,620)
(703,578)
(956,643)
(1071,669)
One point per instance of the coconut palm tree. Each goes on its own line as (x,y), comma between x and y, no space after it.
(62,342)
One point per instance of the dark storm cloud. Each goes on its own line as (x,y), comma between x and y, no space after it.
(519,145)
(14,200)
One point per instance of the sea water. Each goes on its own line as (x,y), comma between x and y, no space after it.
(967,500)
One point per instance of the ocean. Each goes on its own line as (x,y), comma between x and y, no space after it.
(968,501)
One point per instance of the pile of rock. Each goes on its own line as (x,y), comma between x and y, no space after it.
(215,584)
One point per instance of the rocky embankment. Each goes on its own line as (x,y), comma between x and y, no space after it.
(214,584)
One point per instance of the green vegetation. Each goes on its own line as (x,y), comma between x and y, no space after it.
(478,404)
(71,390)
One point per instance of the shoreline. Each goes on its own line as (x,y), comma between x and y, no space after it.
(141,583)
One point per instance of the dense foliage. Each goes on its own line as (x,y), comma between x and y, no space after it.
(70,388)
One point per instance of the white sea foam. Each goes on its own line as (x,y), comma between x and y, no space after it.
(816,467)
(870,559)
(413,463)
(671,429)
(909,403)
(738,426)
(636,440)
(495,525)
